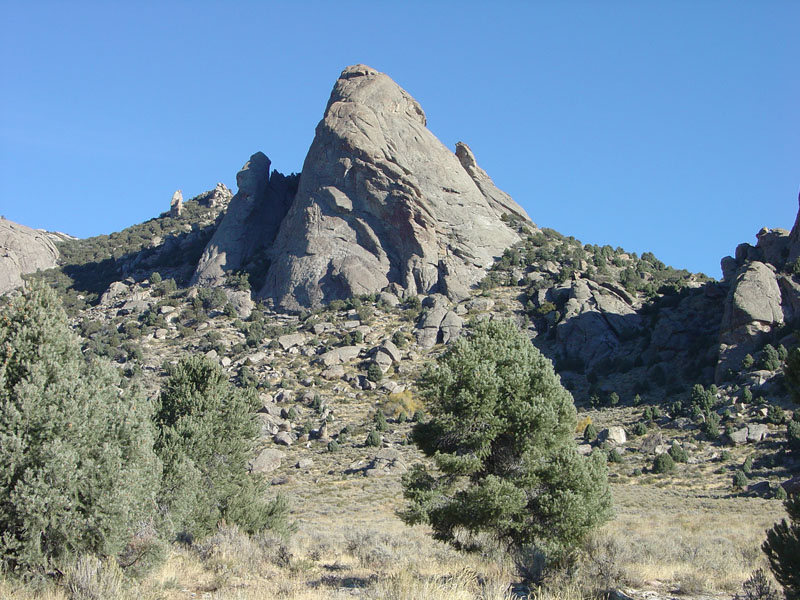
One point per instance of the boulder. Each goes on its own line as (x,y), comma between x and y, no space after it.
(387,461)
(267,461)
(291,340)
(615,435)
(284,438)
(340,355)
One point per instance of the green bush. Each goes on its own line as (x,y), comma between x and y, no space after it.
(793,434)
(780,493)
(782,548)
(678,454)
(333,446)
(77,467)
(614,456)
(380,421)
(747,466)
(747,362)
(589,433)
(206,435)
(663,463)
(640,429)
(770,359)
(373,439)
(374,373)
(500,433)
(739,480)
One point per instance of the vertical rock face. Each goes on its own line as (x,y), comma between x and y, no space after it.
(23,250)
(381,200)
(176,205)
(250,223)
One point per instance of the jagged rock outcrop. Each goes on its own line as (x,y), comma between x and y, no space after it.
(23,250)
(763,294)
(176,204)
(250,223)
(381,200)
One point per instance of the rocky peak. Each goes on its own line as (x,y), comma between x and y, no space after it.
(382,201)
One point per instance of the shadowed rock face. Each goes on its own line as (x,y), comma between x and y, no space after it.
(381,200)
(250,223)
(23,250)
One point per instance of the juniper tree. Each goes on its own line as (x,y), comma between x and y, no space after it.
(77,468)
(501,436)
(206,435)
(782,548)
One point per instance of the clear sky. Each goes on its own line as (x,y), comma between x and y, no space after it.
(671,127)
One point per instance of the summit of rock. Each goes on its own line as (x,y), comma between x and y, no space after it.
(382,201)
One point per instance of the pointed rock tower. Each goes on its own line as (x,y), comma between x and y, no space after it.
(381,200)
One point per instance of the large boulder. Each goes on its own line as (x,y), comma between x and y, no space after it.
(23,250)
(382,201)
(751,309)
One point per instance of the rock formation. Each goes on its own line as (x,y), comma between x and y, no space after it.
(381,200)
(250,223)
(23,250)
(176,205)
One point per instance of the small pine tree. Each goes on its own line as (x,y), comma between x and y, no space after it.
(677,453)
(739,480)
(500,433)
(380,421)
(663,463)
(590,433)
(791,371)
(374,373)
(747,362)
(782,548)
(206,436)
(793,434)
(77,467)
(747,466)
(373,439)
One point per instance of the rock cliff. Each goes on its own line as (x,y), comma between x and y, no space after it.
(23,250)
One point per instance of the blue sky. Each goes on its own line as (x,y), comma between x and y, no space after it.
(670,127)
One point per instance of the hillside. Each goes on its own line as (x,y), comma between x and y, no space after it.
(329,292)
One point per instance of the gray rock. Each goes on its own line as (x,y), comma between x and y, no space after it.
(756,432)
(250,223)
(241,302)
(117,291)
(382,201)
(614,434)
(389,299)
(387,461)
(451,327)
(652,442)
(383,360)
(305,463)
(267,461)
(388,347)
(176,204)
(739,436)
(340,355)
(284,438)
(751,309)
(23,250)
(332,373)
(291,340)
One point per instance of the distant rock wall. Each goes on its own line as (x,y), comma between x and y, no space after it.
(23,250)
